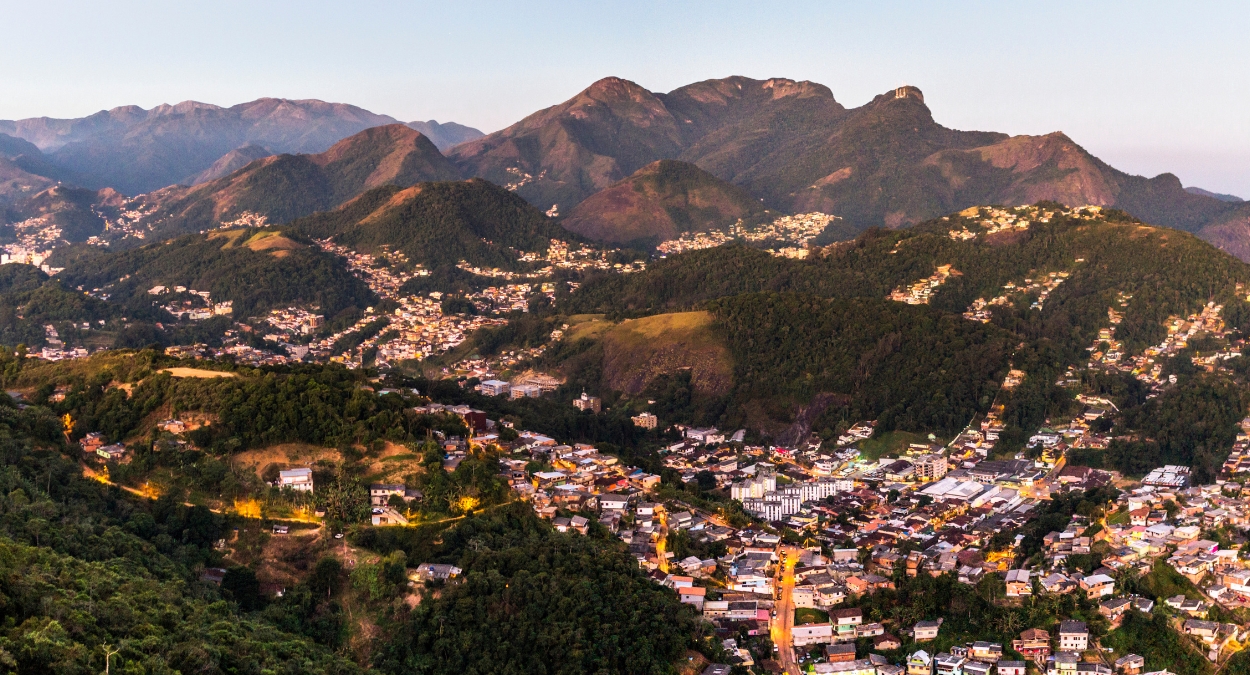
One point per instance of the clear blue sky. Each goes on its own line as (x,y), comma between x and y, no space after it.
(1147,86)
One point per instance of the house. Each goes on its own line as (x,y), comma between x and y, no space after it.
(213,575)
(434,572)
(1033,643)
(920,663)
(1062,663)
(804,596)
(845,622)
(1011,668)
(92,441)
(886,642)
(856,667)
(613,502)
(926,630)
(380,493)
(1203,630)
(977,668)
(718,669)
(1098,585)
(1019,584)
(692,595)
(812,634)
(948,664)
(843,651)
(989,652)
(1131,664)
(300,479)
(112,452)
(1073,636)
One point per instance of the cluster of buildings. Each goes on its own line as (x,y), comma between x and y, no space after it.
(1107,353)
(796,231)
(921,291)
(192,304)
(991,220)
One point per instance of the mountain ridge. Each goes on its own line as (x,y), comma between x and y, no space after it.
(283,187)
(887,163)
(137,151)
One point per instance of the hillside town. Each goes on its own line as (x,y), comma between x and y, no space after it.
(872,524)
(786,236)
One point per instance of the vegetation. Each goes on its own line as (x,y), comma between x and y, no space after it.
(256,269)
(533,600)
(440,224)
(84,571)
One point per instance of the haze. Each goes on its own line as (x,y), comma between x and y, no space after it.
(1148,87)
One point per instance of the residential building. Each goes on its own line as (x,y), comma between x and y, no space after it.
(1073,636)
(587,402)
(435,572)
(927,630)
(812,634)
(645,420)
(300,479)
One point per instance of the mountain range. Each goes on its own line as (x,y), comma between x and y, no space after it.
(135,151)
(782,145)
(284,187)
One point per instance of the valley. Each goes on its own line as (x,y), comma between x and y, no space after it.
(730,379)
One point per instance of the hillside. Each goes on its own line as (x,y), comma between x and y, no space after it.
(887,163)
(659,202)
(1044,279)
(284,187)
(255,269)
(439,224)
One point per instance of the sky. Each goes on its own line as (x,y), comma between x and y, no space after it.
(1147,86)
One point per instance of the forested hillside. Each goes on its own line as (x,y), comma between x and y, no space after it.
(256,269)
(440,224)
(85,571)
(1053,281)
(90,568)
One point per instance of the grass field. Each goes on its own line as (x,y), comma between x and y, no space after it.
(804,615)
(197,372)
(638,350)
(889,443)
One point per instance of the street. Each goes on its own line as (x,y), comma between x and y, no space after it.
(783,624)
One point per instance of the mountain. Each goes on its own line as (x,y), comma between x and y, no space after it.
(280,188)
(439,224)
(661,201)
(1214,195)
(135,150)
(447,134)
(229,163)
(887,163)
(561,155)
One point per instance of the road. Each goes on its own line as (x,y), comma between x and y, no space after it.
(782,631)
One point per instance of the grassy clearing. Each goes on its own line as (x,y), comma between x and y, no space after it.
(805,615)
(638,350)
(197,372)
(889,443)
